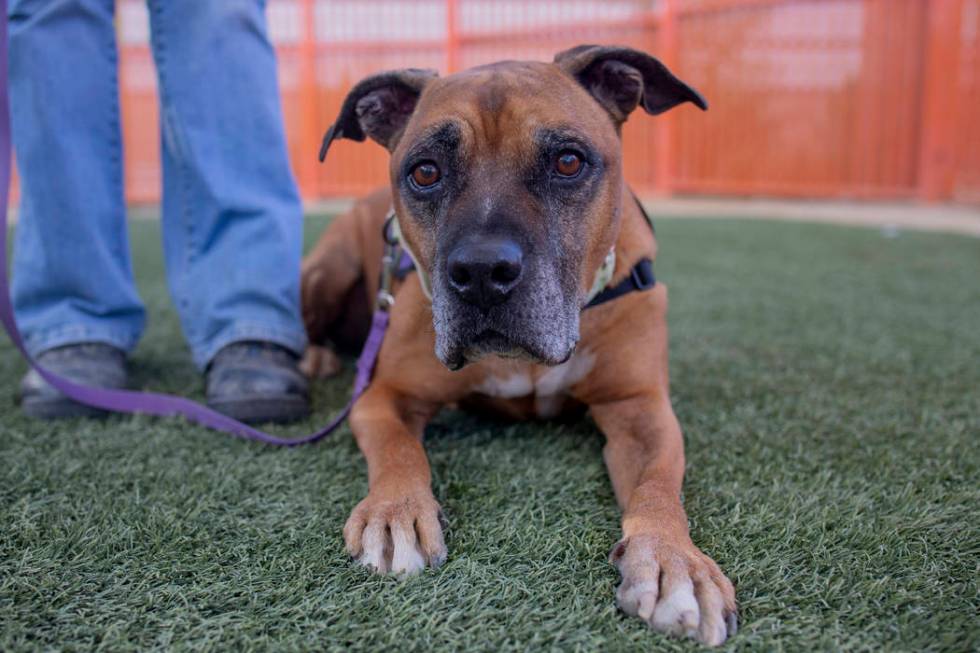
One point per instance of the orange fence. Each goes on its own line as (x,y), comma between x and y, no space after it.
(809,98)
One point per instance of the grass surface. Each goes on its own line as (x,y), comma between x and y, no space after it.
(828,382)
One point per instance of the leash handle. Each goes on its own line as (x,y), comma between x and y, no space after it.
(148,403)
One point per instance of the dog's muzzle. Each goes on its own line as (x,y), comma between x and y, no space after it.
(489,299)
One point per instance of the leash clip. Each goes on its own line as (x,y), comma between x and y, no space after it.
(384,300)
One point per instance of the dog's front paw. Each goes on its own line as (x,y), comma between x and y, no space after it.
(400,536)
(676,589)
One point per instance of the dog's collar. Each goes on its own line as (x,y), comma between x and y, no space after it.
(640,277)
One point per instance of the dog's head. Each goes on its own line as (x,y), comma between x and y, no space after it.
(507,182)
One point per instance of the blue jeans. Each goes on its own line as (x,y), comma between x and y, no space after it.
(232,216)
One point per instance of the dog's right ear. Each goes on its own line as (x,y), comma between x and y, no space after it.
(379,106)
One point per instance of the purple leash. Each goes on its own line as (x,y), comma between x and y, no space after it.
(151,403)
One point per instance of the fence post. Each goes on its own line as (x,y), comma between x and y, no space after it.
(452,37)
(664,129)
(308,102)
(940,88)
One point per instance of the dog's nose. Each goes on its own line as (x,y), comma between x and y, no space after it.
(485,272)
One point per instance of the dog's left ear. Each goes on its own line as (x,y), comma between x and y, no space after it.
(620,79)
(379,106)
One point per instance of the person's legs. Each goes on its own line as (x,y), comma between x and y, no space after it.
(72,278)
(232,216)
(73,290)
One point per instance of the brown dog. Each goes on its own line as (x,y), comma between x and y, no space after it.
(507,183)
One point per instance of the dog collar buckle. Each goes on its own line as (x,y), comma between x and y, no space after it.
(642,275)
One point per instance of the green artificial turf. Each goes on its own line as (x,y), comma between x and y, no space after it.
(828,382)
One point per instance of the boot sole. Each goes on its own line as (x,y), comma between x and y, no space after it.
(58,408)
(254,410)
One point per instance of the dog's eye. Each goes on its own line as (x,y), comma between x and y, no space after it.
(425,174)
(568,164)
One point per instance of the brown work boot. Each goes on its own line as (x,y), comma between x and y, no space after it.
(255,381)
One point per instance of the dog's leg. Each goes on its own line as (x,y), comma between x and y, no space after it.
(328,273)
(666,580)
(335,279)
(396,528)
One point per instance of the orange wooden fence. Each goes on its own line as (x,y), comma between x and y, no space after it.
(809,98)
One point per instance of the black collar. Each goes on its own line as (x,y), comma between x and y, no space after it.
(640,278)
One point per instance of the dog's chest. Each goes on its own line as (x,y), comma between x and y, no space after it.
(548,386)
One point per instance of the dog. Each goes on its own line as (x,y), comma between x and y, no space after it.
(507,184)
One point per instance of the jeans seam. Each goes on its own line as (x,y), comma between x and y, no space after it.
(115,141)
